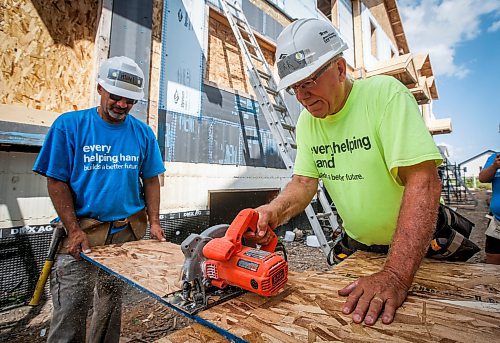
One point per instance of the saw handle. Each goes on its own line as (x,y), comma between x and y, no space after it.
(221,249)
(245,221)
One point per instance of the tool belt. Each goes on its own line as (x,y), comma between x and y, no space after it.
(451,239)
(450,242)
(98,232)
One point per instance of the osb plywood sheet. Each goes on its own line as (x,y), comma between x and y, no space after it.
(225,64)
(193,334)
(47,53)
(436,279)
(150,264)
(309,309)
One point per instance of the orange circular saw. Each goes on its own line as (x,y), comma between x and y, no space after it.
(229,262)
(218,266)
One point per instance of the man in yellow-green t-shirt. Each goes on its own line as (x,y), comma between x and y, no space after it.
(367,142)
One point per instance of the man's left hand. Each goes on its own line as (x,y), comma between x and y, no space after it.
(157,233)
(371,296)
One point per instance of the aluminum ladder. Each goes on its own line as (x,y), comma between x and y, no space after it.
(277,116)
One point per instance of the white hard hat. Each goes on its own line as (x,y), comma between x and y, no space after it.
(120,75)
(303,47)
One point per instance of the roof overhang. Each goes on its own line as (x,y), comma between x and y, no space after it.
(423,64)
(421,91)
(401,67)
(415,72)
(424,68)
(440,126)
(397,25)
(431,83)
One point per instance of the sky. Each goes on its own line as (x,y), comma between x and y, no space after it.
(463,41)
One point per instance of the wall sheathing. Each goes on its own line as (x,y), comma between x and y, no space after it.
(154,75)
(47,53)
(379,12)
(225,66)
(225,144)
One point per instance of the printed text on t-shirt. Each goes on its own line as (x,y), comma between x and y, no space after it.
(330,150)
(98,157)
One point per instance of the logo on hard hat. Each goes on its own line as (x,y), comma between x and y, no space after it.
(327,36)
(123,76)
(291,63)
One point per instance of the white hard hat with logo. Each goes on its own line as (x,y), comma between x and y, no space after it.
(303,47)
(120,75)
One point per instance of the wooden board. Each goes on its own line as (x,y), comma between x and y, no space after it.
(308,309)
(148,264)
(192,334)
(436,279)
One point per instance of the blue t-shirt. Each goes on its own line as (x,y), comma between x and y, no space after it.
(102,163)
(495,185)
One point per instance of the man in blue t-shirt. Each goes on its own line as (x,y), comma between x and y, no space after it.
(102,168)
(491,173)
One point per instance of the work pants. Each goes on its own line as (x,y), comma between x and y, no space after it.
(72,283)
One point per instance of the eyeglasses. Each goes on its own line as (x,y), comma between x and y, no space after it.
(309,83)
(115,97)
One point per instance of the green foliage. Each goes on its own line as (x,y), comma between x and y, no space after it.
(469,182)
(486,186)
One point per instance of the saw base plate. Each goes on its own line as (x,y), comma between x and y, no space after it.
(213,296)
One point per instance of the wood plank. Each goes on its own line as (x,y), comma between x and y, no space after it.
(311,312)
(192,334)
(152,265)
(435,279)
(309,309)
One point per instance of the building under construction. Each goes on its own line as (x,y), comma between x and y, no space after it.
(217,146)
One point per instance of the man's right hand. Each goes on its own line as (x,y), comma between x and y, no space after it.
(268,221)
(77,243)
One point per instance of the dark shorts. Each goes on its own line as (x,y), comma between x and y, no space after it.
(492,245)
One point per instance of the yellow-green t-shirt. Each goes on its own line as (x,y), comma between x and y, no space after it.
(357,152)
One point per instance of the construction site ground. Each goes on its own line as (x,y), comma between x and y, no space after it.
(146,320)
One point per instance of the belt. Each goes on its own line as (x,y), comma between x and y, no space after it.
(354,245)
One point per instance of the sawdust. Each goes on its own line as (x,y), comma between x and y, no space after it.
(146,320)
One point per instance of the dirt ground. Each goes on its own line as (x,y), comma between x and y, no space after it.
(146,320)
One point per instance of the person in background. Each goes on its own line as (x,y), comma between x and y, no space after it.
(491,173)
(102,168)
(367,142)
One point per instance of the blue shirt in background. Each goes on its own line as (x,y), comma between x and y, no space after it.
(495,185)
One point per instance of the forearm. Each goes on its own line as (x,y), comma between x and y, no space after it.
(415,226)
(297,194)
(62,199)
(152,195)
(487,174)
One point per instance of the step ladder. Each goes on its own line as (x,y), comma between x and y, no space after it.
(277,116)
